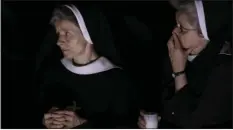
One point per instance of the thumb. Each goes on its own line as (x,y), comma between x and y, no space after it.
(142,112)
(53,109)
(177,41)
(188,52)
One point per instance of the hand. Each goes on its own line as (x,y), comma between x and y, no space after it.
(53,121)
(177,55)
(71,119)
(141,121)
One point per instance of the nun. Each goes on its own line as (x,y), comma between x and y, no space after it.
(85,89)
(197,75)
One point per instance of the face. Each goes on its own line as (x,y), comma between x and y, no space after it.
(188,35)
(70,39)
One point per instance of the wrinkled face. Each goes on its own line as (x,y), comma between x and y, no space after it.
(70,38)
(188,35)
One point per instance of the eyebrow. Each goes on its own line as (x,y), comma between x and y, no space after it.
(184,27)
(61,29)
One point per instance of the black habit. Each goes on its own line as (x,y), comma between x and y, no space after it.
(206,101)
(101,90)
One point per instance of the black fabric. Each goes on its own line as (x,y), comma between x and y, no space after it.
(205,101)
(99,30)
(107,99)
(218,16)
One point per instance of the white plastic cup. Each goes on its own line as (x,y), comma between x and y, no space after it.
(151,120)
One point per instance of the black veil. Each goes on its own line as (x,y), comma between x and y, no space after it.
(99,30)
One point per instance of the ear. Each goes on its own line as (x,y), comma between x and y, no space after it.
(89,49)
(200,33)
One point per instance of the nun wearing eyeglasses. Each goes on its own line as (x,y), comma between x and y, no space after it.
(197,75)
(85,89)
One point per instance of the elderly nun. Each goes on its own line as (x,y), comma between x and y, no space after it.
(197,89)
(85,89)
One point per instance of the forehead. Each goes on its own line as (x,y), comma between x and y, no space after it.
(181,17)
(65,25)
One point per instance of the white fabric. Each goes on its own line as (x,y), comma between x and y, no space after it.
(191,58)
(202,23)
(201,18)
(100,65)
(81,23)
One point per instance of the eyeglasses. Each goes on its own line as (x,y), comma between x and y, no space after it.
(185,30)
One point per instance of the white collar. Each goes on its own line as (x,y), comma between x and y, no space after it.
(191,58)
(100,65)
(202,23)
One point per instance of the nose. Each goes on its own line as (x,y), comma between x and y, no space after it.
(61,40)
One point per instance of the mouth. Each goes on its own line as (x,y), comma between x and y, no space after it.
(190,54)
(64,50)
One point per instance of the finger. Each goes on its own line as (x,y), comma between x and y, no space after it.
(48,122)
(159,118)
(170,40)
(142,112)
(47,116)
(58,122)
(65,112)
(170,44)
(60,119)
(188,52)
(53,108)
(177,41)
(142,121)
(69,113)
(59,112)
(67,126)
(141,126)
(56,126)
(55,115)
(68,118)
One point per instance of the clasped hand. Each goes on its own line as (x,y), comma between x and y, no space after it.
(178,56)
(57,119)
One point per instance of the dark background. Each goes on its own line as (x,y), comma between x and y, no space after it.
(140,30)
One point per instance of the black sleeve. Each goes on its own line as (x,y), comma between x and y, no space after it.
(123,108)
(44,82)
(47,93)
(213,106)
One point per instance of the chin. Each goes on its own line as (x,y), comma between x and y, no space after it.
(67,56)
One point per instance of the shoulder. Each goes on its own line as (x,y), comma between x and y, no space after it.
(55,70)
(223,63)
(221,74)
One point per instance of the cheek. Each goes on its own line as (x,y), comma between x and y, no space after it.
(77,45)
(189,40)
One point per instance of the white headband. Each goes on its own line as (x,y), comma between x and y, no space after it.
(81,23)
(201,18)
